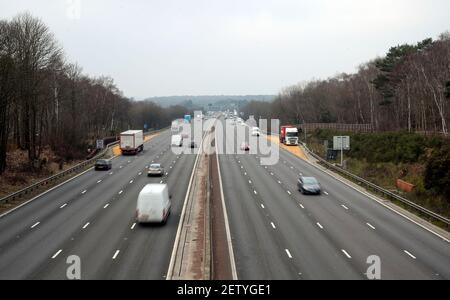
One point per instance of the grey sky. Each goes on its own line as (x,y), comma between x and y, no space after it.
(199,47)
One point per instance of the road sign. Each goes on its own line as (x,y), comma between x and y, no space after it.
(100,144)
(341,143)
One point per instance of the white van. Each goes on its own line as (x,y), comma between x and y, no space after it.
(177,140)
(256,131)
(153,204)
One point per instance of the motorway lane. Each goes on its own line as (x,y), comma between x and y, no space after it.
(62,214)
(392,235)
(342,241)
(265,227)
(112,229)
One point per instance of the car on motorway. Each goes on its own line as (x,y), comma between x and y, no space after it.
(245,146)
(155,170)
(309,185)
(153,204)
(103,164)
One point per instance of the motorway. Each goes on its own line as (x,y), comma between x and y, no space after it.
(92,216)
(278,233)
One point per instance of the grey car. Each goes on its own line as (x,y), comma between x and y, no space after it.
(103,164)
(155,170)
(309,185)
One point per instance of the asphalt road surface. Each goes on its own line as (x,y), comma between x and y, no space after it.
(92,217)
(278,233)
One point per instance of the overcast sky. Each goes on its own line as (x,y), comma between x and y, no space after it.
(232,47)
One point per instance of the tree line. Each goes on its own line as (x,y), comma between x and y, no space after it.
(47,101)
(408,89)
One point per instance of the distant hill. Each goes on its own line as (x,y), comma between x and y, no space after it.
(206,101)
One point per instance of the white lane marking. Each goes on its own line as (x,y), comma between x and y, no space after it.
(288,253)
(134,225)
(289,192)
(83,192)
(250,181)
(346,253)
(64,205)
(161,181)
(242,167)
(320,225)
(120,192)
(146,167)
(86,225)
(245,173)
(326,193)
(255,192)
(301,174)
(120,167)
(412,256)
(140,173)
(35,225)
(273,225)
(116,254)
(279,182)
(370,225)
(167,173)
(292,168)
(345,207)
(131,181)
(262,205)
(106,205)
(171,167)
(99,181)
(56,254)
(111,173)
(129,161)
(271,174)
(301,205)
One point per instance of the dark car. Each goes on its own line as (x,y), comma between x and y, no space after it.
(155,170)
(103,164)
(309,185)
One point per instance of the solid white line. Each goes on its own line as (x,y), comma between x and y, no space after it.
(273,225)
(35,225)
(368,224)
(56,254)
(115,254)
(64,205)
(412,256)
(83,192)
(106,205)
(227,224)
(320,225)
(134,225)
(344,206)
(346,253)
(288,253)
(86,225)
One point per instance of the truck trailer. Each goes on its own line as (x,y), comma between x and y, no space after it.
(132,142)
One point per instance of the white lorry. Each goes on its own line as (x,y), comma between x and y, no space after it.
(132,142)
(291,138)
(177,140)
(153,204)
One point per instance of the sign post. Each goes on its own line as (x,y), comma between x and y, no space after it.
(341,143)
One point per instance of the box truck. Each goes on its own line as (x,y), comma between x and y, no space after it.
(177,141)
(132,142)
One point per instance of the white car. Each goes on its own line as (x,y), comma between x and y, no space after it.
(153,204)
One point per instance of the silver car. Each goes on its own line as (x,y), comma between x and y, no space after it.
(155,170)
